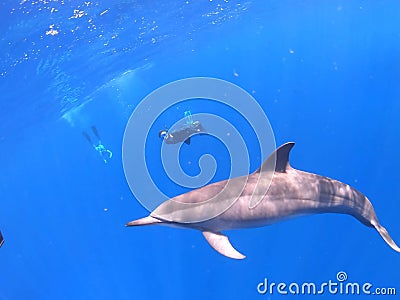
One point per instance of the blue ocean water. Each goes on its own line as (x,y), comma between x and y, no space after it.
(326,75)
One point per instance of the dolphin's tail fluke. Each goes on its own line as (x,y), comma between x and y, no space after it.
(385,235)
(144,221)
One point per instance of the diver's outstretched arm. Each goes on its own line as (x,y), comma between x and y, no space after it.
(95,132)
(87,137)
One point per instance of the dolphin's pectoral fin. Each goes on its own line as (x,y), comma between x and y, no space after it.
(222,245)
(386,236)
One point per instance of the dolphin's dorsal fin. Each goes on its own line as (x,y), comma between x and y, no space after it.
(222,245)
(281,155)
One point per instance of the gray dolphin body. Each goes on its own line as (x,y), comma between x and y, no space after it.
(290,193)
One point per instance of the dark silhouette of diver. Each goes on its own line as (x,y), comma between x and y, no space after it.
(184,133)
(104,153)
(1,239)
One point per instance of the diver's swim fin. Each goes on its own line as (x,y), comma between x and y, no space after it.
(96,133)
(187,141)
(87,137)
(1,239)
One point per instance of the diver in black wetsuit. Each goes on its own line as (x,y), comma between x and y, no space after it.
(104,153)
(1,239)
(184,133)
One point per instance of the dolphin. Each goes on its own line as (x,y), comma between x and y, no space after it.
(290,192)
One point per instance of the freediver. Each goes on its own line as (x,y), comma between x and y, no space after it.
(184,133)
(104,153)
(1,239)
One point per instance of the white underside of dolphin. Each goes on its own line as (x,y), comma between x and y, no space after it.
(290,193)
